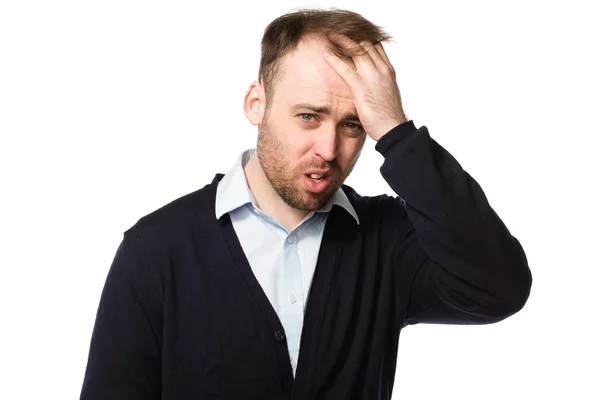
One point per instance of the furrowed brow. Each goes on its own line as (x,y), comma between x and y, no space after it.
(322,110)
(306,106)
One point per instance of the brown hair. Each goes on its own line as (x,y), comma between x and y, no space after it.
(283,34)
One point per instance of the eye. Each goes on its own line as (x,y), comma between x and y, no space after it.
(355,129)
(304,119)
(354,126)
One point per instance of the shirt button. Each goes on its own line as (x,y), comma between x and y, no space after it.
(292,299)
(291,239)
(279,335)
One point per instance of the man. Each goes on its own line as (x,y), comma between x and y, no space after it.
(276,280)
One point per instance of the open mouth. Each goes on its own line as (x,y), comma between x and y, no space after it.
(315,178)
(317,183)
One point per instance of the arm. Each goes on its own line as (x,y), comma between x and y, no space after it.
(125,353)
(465,266)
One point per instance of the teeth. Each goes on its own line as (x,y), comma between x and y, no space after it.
(315,176)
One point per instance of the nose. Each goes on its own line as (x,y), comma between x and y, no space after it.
(326,144)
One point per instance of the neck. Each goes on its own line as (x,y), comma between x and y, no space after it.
(267,199)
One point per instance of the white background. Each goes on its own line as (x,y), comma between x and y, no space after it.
(111,109)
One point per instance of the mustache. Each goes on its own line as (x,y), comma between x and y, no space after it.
(333,167)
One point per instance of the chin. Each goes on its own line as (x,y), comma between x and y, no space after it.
(317,200)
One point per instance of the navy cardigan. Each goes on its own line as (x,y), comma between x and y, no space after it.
(182,316)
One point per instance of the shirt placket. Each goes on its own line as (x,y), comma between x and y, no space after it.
(293,296)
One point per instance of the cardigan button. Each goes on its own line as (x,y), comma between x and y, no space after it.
(279,335)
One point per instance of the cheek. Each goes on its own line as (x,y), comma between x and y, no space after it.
(292,140)
(288,151)
(293,146)
(351,151)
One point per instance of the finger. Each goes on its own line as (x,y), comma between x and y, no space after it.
(376,58)
(370,51)
(343,70)
(359,53)
(383,55)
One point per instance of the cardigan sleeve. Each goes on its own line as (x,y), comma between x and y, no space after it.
(465,266)
(124,359)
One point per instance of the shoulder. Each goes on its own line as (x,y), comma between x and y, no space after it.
(170,220)
(384,222)
(370,206)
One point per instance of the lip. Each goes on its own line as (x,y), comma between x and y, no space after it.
(317,187)
(325,173)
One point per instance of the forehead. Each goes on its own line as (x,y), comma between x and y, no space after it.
(306,73)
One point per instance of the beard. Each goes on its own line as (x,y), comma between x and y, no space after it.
(288,180)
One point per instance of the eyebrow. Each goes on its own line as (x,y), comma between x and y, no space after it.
(322,110)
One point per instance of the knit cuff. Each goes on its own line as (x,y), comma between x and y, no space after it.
(397,134)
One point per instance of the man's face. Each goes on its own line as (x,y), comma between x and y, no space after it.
(293,140)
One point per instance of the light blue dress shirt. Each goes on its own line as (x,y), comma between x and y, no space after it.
(283,262)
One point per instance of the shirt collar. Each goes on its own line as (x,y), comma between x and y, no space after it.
(233,191)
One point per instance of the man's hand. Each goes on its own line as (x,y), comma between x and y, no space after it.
(373,85)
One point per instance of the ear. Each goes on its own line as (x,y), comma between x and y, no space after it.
(254,103)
